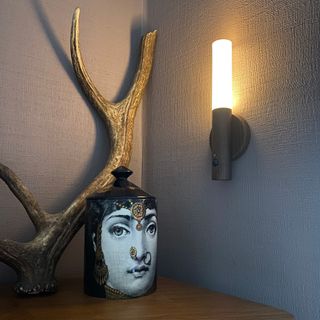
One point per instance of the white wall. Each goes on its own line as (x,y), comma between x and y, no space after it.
(257,236)
(50,136)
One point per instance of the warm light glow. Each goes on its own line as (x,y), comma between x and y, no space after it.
(222,74)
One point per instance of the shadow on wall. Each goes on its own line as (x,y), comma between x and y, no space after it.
(102,143)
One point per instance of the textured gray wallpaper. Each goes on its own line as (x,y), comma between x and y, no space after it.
(50,136)
(257,236)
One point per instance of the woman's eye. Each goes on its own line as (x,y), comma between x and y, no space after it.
(119,231)
(152,229)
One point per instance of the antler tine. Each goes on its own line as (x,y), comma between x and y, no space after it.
(36,214)
(143,72)
(83,77)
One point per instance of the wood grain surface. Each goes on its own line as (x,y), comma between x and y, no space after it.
(172,300)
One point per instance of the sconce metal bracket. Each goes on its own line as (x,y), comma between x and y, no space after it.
(240,137)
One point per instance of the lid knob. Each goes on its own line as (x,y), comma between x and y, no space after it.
(122,173)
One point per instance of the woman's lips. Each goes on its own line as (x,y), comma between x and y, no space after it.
(138,271)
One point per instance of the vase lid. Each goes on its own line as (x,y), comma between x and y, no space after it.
(122,187)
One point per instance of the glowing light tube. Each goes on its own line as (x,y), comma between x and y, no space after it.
(222,74)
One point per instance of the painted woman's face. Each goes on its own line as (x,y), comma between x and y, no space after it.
(129,246)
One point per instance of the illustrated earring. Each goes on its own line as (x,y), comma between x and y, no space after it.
(100,272)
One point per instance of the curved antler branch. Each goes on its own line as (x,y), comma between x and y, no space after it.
(144,69)
(83,77)
(35,213)
(10,252)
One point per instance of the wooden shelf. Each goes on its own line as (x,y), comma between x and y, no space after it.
(172,300)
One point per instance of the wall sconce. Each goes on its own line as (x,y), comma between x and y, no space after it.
(230,134)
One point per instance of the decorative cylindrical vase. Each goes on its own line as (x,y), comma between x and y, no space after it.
(120,241)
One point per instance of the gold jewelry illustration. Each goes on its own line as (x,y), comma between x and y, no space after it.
(133,253)
(101,272)
(115,294)
(138,210)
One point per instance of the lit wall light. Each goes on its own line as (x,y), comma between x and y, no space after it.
(230,134)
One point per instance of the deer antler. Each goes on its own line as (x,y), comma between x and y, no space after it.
(35,261)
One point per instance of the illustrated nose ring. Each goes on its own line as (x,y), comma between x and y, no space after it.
(147,258)
(133,253)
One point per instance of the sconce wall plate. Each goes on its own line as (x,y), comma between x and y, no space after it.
(228,141)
